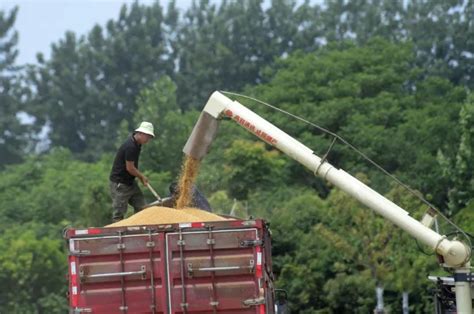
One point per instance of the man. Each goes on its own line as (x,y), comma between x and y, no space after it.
(124,189)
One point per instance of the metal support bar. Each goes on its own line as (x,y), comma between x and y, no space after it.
(191,270)
(254,302)
(142,271)
(211,242)
(251,243)
(184,304)
(79,252)
(121,248)
(151,245)
(81,310)
(223,268)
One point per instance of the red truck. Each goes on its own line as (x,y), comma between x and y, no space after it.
(211,267)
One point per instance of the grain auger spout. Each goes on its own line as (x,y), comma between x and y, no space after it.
(455,254)
(200,140)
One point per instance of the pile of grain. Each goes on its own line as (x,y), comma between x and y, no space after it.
(188,176)
(157,215)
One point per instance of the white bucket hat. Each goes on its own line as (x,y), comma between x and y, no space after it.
(146,127)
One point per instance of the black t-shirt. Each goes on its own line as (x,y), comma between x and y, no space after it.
(129,151)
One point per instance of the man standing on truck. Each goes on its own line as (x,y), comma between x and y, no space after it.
(124,189)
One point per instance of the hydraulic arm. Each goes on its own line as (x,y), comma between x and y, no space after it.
(455,254)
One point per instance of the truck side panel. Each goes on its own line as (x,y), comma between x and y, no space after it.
(120,272)
(212,269)
(215,267)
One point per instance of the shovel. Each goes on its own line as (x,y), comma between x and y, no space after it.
(158,198)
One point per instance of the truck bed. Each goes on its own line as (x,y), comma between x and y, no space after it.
(211,267)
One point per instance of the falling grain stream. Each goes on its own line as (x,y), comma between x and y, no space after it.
(188,175)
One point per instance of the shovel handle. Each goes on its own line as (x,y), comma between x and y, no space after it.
(153,191)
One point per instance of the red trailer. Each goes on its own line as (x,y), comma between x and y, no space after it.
(211,267)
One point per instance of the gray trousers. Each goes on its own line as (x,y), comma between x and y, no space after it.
(122,195)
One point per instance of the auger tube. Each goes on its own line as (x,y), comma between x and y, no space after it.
(455,254)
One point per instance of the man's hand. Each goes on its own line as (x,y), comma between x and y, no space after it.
(144,180)
(134,172)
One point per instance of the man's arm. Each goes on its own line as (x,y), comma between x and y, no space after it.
(134,172)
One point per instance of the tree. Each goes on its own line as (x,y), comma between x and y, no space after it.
(295,266)
(330,250)
(91,83)
(465,218)
(230,45)
(438,30)
(33,270)
(443,50)
(12,134)
(249,165)
(374,97)
(459,170)
(53,188)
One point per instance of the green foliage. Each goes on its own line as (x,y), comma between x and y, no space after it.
(465,218)
(374,97)
(437,28)
(33,272)
(442,49)
(355,289)
(95,204)
(240,36)
(12,133)
(458,170)
(51,188)
(91,83)
(222,204)
(330,250)
(249,165)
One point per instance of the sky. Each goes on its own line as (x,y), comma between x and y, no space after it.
(43,22)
